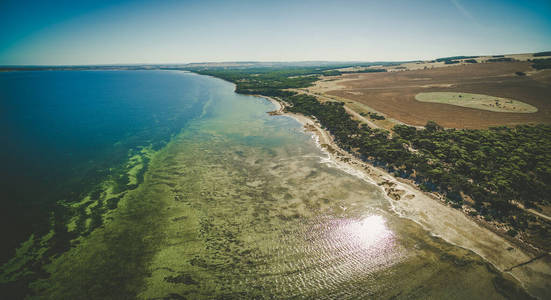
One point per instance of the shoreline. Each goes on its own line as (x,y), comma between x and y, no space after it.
(531,270)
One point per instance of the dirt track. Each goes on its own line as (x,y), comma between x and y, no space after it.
(393,93)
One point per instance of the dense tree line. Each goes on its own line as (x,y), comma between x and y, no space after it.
(501,59)
(373,116)
(546,53)
(270,81)
(540,64)
(451,62)
(453,58)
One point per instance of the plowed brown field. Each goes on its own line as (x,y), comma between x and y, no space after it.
(393,93)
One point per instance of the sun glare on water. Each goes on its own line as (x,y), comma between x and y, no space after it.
(368,232)
(357,245)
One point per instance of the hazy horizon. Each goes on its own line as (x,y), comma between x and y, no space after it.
(180,32)
(246,61)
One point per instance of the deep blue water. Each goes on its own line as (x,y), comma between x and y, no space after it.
(63,132)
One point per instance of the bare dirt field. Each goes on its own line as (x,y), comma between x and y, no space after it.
(393,93)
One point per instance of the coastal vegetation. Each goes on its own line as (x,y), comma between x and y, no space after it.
(274,81)
(501,59)
(444,59)
(373,116)
(491,171)
(451,62)
(539,54)
(540,64)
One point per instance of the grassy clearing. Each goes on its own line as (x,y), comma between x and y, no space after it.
(477,101)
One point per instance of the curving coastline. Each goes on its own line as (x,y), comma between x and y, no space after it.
(453,226)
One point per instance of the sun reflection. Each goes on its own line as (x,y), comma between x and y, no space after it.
(354,246)
(368,232)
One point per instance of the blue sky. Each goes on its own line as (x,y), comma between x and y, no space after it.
(111,32)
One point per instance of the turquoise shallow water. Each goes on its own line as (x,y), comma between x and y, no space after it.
(229,202)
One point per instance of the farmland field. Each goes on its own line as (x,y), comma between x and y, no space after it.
(393,93)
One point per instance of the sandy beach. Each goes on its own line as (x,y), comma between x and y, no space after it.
(452,225)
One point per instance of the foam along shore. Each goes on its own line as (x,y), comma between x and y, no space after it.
(445,222)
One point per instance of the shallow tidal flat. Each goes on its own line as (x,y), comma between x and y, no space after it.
(241,204)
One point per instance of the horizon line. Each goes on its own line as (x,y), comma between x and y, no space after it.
(248,61)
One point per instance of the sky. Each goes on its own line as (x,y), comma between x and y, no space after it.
(126,32)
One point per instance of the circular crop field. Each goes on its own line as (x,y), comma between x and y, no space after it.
(477,101)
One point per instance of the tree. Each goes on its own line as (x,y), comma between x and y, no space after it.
(432,126)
